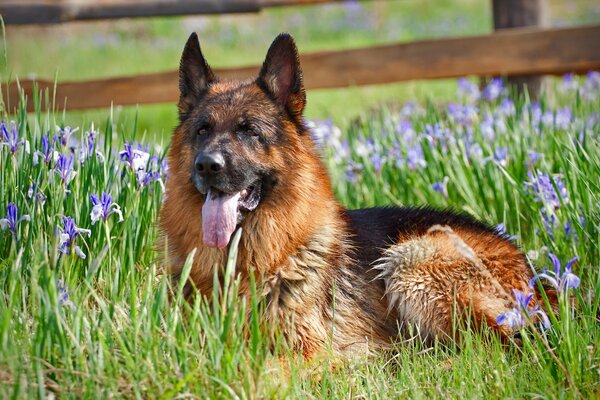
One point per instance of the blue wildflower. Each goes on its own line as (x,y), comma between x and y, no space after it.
(324,133)
(591,87)
(507,107)
(563,118)
(518,316)
(63,295)
(487,127)
(66,139)
(104,207)
(69,232)
(12,219)
(474,151)
(377,160)
(501,155)
(10,137)
(34,193)
(467,90)
(64,168)
(543,187)
(441,186)
(89,148)
(415,157)
(135,155)
(48,154)
(462,115)
(405,131)
(501,230)
(493,90)
(561,282)
(534,156)
(568,83)
(353,171)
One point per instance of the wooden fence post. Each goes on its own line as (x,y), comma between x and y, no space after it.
(514,14)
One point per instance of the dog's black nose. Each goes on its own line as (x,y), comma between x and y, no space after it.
(209,163)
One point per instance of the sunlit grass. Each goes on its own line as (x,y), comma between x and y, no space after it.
(110,327)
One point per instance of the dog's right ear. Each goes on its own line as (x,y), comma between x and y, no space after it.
(194,76)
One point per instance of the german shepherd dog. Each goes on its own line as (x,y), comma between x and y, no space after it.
(242,156)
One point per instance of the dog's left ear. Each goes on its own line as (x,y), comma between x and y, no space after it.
(281,75)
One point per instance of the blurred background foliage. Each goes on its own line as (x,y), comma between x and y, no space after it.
(88,50)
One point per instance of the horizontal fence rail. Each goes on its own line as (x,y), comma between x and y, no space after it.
(27,12)
(523,51)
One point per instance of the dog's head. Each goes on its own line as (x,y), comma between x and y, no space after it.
(235,139)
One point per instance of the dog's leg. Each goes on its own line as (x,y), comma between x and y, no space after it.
(438,284)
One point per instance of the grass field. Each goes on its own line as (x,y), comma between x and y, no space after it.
(84,310)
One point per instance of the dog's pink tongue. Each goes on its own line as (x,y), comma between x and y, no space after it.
(219,218)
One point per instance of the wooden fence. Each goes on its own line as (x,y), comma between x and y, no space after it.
(507,52)
(21,12)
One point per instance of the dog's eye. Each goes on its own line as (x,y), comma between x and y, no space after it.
(247,129)
(203,128)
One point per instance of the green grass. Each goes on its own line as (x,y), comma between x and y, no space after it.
(125,338)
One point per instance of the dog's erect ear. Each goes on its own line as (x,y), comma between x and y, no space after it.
(281,74)
(194,75)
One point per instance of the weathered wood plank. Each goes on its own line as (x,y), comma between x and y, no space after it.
(38,12)
(524,51)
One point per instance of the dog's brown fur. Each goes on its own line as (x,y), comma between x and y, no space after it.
(352,279)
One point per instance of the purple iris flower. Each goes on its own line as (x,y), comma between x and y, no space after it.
(69,233)
(135,155)
(493,90)
(441,186)
(501,230)
(591,87)
(89,147)
(467,90)
(63,295)
(47,153)
(34,193)
(534,156)
(542,186)
(64,168)
(66,139)
(104,207)
(487,127)
(561,282)
(563,118)
(377,160)
(518,316)
(12,219)
(415,157)
(405,131)
(474,151)
(395,154)
(353,171)
(569,83)
(463,115)
(507,107)
(501,155)
(10,136)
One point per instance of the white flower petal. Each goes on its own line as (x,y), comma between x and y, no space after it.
(96,213)
(63,239)
(80,252)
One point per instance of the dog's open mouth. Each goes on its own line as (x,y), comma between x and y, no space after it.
(222,212)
